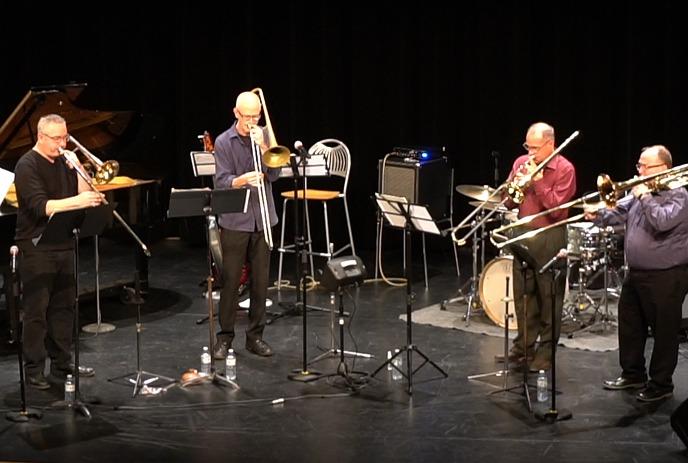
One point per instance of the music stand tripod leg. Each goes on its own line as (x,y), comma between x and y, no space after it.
(140,377)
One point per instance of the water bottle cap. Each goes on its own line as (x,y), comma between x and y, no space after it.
(205,347)
(542,372)
(230,351)
(69,376)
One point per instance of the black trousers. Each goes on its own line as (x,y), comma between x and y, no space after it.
(48,303)
(651,298)
(239,247)
(534,314)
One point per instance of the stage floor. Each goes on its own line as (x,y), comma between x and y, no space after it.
(271,418)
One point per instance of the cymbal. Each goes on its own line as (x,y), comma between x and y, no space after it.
(479,192)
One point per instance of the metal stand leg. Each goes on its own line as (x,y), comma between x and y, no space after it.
(333,351)
(470,297)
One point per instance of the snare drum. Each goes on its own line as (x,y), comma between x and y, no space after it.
(583,240)
(493,290)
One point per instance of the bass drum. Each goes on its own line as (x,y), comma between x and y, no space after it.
(493,290)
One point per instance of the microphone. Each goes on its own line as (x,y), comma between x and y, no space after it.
(560,255)
(298,146)
(14,250)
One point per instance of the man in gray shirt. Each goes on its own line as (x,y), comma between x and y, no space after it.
(653,292)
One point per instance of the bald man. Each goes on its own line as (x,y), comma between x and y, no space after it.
(553,185)
(241,234)
(653,291)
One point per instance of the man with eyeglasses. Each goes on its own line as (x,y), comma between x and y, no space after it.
(47,183)
(241,234)
(657,282)
(553,185)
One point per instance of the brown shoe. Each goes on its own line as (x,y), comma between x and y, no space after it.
(259,347)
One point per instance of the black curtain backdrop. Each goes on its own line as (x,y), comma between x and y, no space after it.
(470,79)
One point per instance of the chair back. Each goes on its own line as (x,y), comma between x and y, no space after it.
(337,156)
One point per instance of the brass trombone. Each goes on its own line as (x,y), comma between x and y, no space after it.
(608,191)
(275,156)
(103,172)
(513,189)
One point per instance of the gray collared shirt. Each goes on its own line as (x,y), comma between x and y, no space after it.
(656,228)
(233,157)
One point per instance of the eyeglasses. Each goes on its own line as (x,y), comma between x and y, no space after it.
(640,165)
(57,138)
(528,147)
(255,117)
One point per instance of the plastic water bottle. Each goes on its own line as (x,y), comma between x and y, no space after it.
(389,357)
(230,365)
(70,390)
(542,393)
(398,362)
(205,361)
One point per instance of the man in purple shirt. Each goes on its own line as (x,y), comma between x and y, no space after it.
(653,292)
(242,234)
(553,185)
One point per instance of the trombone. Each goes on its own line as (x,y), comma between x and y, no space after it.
(71,157)
(275,156)
(513,189)
(608,191)
(104,172)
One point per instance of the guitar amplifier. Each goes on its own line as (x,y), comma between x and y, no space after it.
(423,182)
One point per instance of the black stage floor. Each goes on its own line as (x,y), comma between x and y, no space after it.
(271,418)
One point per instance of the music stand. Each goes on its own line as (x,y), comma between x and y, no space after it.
(76,224)
(140,377)
(400,214)
(206,202)
(552,415)
(527,262)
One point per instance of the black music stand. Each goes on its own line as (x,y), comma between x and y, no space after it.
(206,202)
(400,214)
(553,415)
(528,263)
(24,414)
(76,224)
(139,378)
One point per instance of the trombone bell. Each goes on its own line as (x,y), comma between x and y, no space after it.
(277,156)
(106,172)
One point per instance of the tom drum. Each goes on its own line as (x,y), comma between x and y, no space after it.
(493,290)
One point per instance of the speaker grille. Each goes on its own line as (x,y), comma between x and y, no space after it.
(400,181)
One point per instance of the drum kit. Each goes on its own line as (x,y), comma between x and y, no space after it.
(485,289)
(589,253)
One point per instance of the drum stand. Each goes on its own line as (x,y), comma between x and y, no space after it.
(468,293)
(601,321)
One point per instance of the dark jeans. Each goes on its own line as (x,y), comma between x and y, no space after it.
(651,298)
(239,247)
(534,312)
(48,303)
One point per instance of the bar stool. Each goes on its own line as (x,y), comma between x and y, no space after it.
(338,159)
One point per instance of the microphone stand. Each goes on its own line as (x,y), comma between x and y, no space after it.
(24,414)
(303,374)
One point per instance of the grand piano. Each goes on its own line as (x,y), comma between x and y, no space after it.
(106,134)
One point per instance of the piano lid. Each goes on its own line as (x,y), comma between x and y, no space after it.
(95,129)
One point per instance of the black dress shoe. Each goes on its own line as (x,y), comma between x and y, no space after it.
(62,372)
(221,349)
(259,347)
(653,394)
(623,383)
(38,381)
